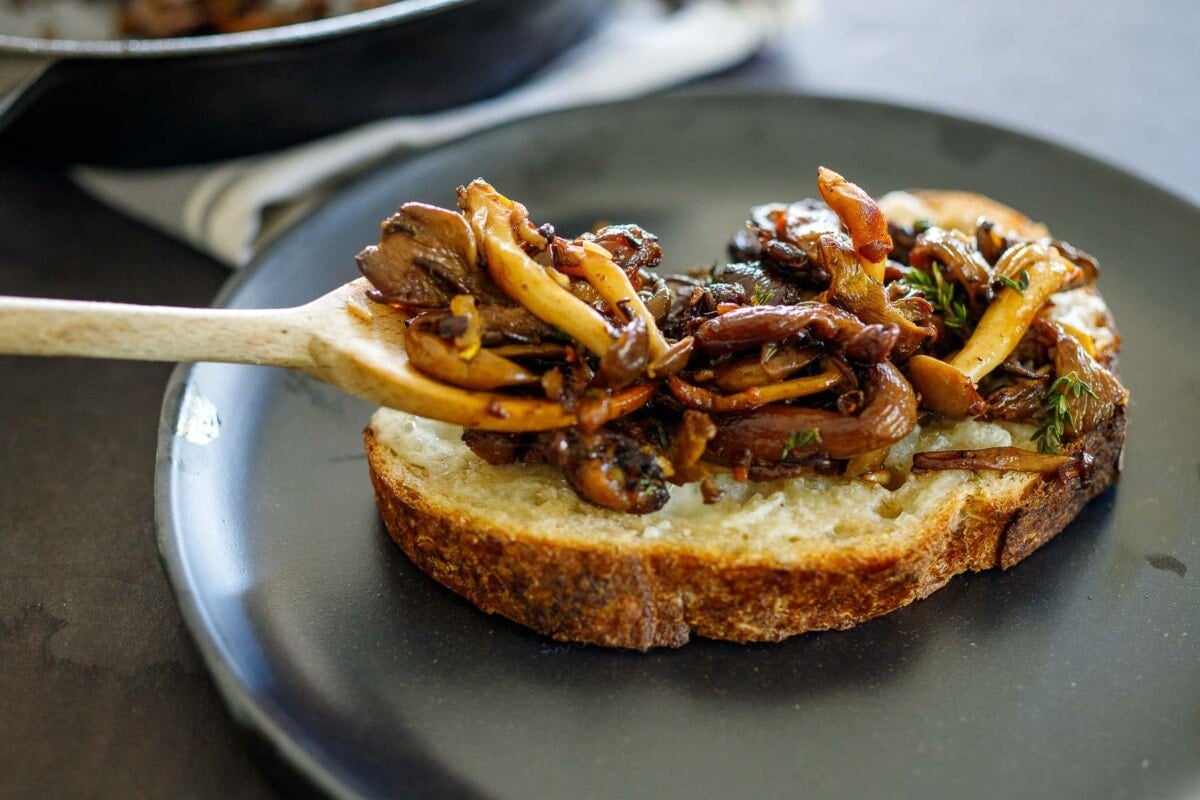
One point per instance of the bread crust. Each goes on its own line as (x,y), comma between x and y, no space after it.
(657,593)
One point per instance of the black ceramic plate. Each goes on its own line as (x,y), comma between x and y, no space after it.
(1076,674)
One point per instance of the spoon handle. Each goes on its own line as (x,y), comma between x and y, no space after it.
(42,327)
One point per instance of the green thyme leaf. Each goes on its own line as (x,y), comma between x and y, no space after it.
(1020,285)
(956,315)
(798,440)
(1055,416)
(945,297)
(761,295)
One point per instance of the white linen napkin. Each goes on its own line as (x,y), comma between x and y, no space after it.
(230,210)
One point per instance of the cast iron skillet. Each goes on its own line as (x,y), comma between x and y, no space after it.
(152,102)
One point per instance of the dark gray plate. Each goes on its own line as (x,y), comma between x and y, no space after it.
(1077,674)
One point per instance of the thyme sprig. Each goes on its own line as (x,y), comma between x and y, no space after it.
(1056,413)
(1020,285)
(761,296)
(799,439)
(945,297)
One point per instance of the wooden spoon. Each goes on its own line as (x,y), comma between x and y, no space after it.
(341,338)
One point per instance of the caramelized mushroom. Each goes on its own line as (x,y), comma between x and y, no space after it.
(775,363)
(495,219)
(440,358)
(612,470)
(705,400)
(771,383)
(864,297)
(861,216)
(1007,459)
(633,249)
(768,435)
(1087,409)
(691,438)
(425,256)
(754,326)
(595,265)
(599,411)
(626,359)
(1017,402)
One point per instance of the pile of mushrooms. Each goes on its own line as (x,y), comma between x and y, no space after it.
(818,347)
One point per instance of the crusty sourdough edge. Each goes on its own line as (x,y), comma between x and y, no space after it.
(653,593)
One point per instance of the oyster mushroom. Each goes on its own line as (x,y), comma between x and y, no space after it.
(495,221)
(590,261)
(1086,409)
(1004,459)
(612,470)
(702,399)
(862,217)
(776,364)
(853,289)
(752,327)
(441,358)
(425,256)
(767,435)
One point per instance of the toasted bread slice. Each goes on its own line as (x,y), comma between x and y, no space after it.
(768,561)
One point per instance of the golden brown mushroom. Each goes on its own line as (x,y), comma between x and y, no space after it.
(861,216)
(595,265)
(495,220)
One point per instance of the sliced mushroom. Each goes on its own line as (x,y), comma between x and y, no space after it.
(425,256)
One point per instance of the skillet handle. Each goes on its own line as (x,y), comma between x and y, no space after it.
(18,77)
